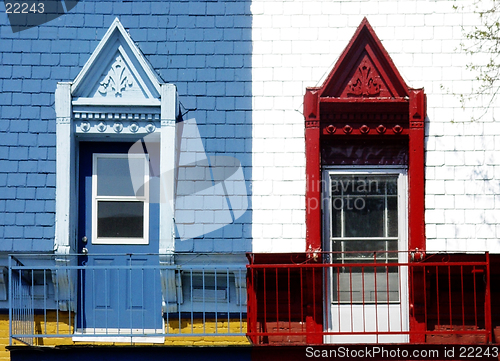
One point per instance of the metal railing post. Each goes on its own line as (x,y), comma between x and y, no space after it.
(10,297)
(487,299)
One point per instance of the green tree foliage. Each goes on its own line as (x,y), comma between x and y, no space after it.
(482,43)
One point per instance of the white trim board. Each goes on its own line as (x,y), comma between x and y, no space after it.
(101,335)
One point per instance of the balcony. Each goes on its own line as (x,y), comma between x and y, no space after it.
(277,299)
(66,302)
(370,298)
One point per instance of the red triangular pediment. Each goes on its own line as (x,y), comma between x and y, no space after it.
(364,70)
(365,81)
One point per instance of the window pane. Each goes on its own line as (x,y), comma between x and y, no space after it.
(364,206)
(357,185)
(365,250)
(120,219)
(364,217)
(392,185)
(358,286)
(364,246)
(392,216)
(114,176)
(336,223)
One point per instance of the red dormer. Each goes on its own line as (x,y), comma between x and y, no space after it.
(364,115)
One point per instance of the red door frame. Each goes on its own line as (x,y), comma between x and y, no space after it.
(365,97)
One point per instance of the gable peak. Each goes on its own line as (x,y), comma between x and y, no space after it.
(364,69)
(116,72)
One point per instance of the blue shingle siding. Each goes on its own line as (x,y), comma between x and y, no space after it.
(204,47)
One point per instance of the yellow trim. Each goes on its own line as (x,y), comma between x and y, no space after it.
(49,324)
(4,337)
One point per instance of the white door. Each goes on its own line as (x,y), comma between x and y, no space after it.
(365,217)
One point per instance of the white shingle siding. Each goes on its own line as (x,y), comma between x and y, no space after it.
(296,44)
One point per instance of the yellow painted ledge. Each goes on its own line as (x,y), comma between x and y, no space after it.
(58,323)
(4,337)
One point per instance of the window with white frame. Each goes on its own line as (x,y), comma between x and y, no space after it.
(120,208)
(365,222)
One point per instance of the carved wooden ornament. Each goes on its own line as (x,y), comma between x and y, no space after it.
(366,81)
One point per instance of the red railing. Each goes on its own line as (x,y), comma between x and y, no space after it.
(389,298)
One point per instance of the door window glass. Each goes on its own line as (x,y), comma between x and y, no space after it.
(364,229)
(120,219)
(114,176)
(120,212)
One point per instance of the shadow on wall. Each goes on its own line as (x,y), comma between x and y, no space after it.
(207,54)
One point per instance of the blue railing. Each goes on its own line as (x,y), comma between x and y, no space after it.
(21,310)
(123,298)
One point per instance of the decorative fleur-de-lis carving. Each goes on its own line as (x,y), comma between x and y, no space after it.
(85,127)
(101,126)
(134,127)
(118,78)
(365,83)
(150,127)
(118,127)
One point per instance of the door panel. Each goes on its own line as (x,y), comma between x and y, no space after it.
(104,278)
(366,230)
(120,287)
(136,280)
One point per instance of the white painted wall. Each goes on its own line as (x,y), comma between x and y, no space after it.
(296,44)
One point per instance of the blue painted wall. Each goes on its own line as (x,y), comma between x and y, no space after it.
(204,47)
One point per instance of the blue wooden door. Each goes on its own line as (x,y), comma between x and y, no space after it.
(119,284)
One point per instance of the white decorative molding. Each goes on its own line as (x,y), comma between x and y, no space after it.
(131,101)
(150,127)
(134,127)
(65,170)
(118,127)
(97,127)
(115,94)
(168,122)
(118,78)
(85,126)
(3,284)
(101,126)
(169,111)
(64,281)
(116,122)
(171,284)
(63,120)
(116,71)
(118,116)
